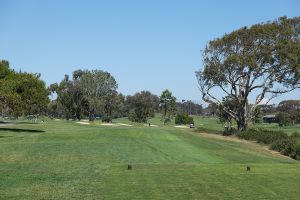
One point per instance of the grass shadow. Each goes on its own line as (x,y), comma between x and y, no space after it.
(21,122)
(1,122)
(4,136)
(22,130)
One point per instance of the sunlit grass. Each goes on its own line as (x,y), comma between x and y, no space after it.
(75,161)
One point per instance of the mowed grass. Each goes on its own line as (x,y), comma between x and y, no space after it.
(75,161)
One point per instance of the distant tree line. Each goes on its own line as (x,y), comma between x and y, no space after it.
(88,94)
(93,94)
(287,112)
(190,107)
(260,60)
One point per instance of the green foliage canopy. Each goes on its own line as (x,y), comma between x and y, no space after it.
(142,106)
(167,104)
(21,93)
(261,60)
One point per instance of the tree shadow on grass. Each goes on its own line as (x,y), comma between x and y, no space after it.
(22,130)
(4,136)
(12,123)
(4,123)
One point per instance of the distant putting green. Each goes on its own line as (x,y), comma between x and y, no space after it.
(67,160)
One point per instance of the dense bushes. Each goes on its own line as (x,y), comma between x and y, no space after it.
(262,136)
(230,131)
(297,150)
(285,146)
(183,118)
(278,141)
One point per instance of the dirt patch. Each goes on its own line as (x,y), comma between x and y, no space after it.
(150,125)
(181,127)
(108,124)
(121,124)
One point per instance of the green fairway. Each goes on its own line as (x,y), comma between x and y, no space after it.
(67,160)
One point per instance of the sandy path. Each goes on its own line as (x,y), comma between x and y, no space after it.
(181,127)
(86,123)
(152,125)
(108,124)
(121,124)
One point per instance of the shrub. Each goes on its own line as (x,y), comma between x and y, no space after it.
(295,135)
(230,131)
(285,146)
(183,118)
(278,140)
(297,150)
(262,136)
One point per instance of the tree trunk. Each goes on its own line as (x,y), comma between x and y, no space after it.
(242,126)
(91,115)
(78,114)
(242,122)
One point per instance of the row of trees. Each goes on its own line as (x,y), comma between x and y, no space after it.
(261,61)
(88,93)
(94,94)
(286,112)
(91,94)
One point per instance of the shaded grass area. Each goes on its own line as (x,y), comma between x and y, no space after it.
(21,130)
(73,161)
(16,122)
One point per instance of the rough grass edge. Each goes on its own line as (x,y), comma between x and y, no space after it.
(277,140)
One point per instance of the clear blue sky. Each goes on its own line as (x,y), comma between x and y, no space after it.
(146,45)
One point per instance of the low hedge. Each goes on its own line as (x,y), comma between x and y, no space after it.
(286,147)
(262,136)
(297,156)
(277,140)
